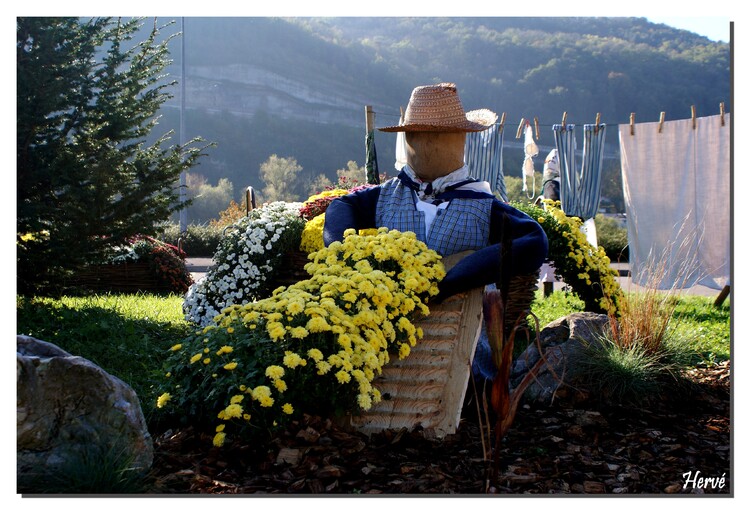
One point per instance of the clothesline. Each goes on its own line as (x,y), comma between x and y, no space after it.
(535,121)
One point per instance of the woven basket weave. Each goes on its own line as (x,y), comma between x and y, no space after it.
(292,268)
(521,294)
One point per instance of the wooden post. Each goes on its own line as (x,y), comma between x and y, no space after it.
(722,296)
(369,119)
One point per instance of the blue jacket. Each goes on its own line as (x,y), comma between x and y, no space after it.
(364,208)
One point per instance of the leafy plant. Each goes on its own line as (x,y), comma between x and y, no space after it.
(165,261)
(246,261)
(640,355)
(612,237)
(315,345)
(584,268)
(197,240)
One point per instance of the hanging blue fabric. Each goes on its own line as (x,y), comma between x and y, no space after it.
(580,190)
(483,155)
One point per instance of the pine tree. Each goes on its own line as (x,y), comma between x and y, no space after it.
(87,176)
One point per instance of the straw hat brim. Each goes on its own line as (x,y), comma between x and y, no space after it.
(477,120)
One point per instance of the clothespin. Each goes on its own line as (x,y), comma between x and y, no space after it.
(536,127)
(564,120)
(502,121)
(598,121)
(632,124)
(692,115)
(721,112)
(661,121)
(520,127)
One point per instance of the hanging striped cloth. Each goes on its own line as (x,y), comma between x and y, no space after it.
(580,191)
(483,155)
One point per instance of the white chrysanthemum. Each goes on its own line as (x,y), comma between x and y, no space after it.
(245,260)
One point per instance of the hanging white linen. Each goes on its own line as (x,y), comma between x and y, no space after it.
(676,188)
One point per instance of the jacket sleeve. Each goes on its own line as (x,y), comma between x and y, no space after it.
(528,251)
(353,211)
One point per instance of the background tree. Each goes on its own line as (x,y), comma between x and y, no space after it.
(281,178)
(87,179)
(208,201)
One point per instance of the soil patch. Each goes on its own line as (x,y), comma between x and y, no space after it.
(570,447)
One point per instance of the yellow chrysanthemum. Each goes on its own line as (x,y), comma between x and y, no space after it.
(233,411)
(315,354)
(219,439)
(274,372)
(163,400)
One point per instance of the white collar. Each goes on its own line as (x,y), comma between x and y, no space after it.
(439,184)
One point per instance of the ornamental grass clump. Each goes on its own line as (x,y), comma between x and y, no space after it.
(312,347)
(640,355)
(246,261)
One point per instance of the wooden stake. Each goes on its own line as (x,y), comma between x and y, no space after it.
(369,119)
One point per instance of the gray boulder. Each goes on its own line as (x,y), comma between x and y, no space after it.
(562,342)
(71,414)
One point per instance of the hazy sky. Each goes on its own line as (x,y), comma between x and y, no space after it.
(714,28)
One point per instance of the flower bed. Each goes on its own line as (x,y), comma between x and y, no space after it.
(145,264)
(247,261)
(315,345)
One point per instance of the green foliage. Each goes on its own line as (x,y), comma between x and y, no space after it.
(281,178)
(208,201)
(95,470)
(703,327)
(612,236)
(88,98)
(630,375)
(585,269)
(556,305)
(197,241)
(126,334)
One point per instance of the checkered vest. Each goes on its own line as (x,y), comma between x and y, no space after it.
(463,225)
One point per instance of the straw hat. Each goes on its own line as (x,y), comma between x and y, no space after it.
(437,108)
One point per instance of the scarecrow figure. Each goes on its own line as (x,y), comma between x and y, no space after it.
(435,197)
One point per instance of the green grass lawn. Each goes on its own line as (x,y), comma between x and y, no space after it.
(128,335)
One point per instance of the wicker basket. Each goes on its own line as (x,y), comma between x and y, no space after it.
(521,294)
(292,268)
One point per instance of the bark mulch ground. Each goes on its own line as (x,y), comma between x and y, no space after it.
(570,447)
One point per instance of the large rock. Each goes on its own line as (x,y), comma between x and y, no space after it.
(71,411)
(562,342)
